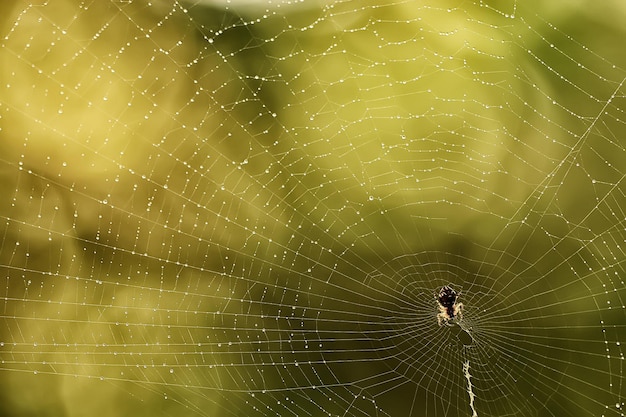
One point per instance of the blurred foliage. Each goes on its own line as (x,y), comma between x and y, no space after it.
(203,203)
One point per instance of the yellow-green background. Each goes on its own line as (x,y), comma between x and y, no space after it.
(238,210)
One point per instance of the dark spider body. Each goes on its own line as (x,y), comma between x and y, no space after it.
(449,309)
(447,298)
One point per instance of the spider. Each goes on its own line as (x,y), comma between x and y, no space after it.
(449,309)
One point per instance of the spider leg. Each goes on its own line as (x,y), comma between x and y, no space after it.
(459,311)
(442,318)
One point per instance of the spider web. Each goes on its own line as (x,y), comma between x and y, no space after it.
(221,208)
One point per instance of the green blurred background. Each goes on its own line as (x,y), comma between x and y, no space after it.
(245,209)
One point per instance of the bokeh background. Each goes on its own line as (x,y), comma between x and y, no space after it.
(246,208)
